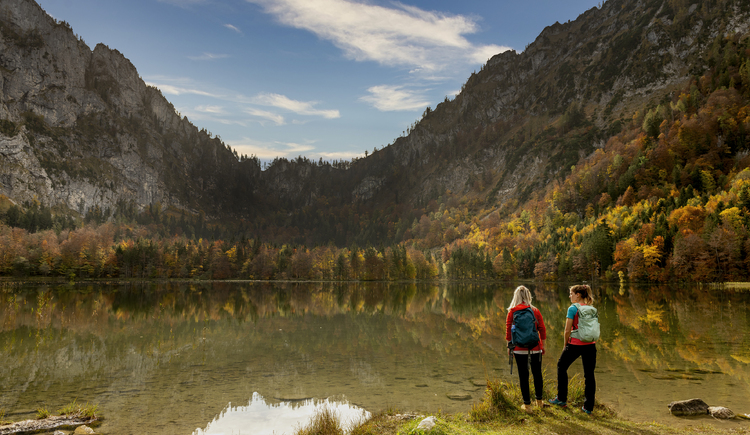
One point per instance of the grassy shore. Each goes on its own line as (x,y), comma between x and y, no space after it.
(500,412)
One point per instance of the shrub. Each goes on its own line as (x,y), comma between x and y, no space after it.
(8,128)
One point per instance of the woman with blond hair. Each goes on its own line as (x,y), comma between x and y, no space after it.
(577,346)
(523,315)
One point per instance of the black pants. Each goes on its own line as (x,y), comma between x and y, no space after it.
(587,352)
(522,362)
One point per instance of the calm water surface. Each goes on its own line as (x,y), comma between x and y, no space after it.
(232,358)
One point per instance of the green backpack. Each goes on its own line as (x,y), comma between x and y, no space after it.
(588,324)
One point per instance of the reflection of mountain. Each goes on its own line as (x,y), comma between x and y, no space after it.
(264,417)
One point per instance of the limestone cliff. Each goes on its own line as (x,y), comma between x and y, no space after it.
(82,129)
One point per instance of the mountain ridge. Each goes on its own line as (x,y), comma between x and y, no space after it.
(82,130)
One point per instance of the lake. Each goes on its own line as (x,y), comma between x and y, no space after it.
(238,357)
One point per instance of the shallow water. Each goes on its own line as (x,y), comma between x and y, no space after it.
(181,358)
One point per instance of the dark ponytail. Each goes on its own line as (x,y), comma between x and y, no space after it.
(584,291)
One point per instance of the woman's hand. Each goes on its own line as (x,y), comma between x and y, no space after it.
(568,330)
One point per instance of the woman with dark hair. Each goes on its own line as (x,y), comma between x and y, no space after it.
(526,357)
(580,295)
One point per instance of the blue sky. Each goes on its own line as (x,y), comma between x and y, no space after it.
(317,78)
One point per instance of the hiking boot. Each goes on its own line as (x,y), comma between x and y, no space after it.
(540,403)
(585,410)
(558,402)
(527,408)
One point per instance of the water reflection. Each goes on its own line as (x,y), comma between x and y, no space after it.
(262,417)
(166,358)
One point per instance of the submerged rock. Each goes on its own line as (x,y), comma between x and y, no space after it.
(293,398)
(83,430)
(720,412)
(688,407)
(459,396)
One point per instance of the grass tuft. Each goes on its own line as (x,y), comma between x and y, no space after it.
(502,400)
(3,421)
(75,409)
(324,422)
(42,413)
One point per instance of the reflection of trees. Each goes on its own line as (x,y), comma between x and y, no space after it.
(176,309)
(153,338)
(652,326)
(686,328)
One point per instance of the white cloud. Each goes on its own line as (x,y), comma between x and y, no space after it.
(183,86)
(216,110)
(299,107)
(201,114)
(231,27)
(208,56)
(388,98)
(404,36)
(175,89)
(269,150)
(273,117)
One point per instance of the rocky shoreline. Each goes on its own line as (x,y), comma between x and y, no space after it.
(50,423)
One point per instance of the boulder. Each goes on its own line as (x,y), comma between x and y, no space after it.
(83,430)
(721,412)
(688,407)
(427,424)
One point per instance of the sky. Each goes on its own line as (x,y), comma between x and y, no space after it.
(326,79)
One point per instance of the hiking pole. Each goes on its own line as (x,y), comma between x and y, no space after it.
(510,356)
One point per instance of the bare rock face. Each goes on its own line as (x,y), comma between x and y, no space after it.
(81,129)
(688,407)
(21,175)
